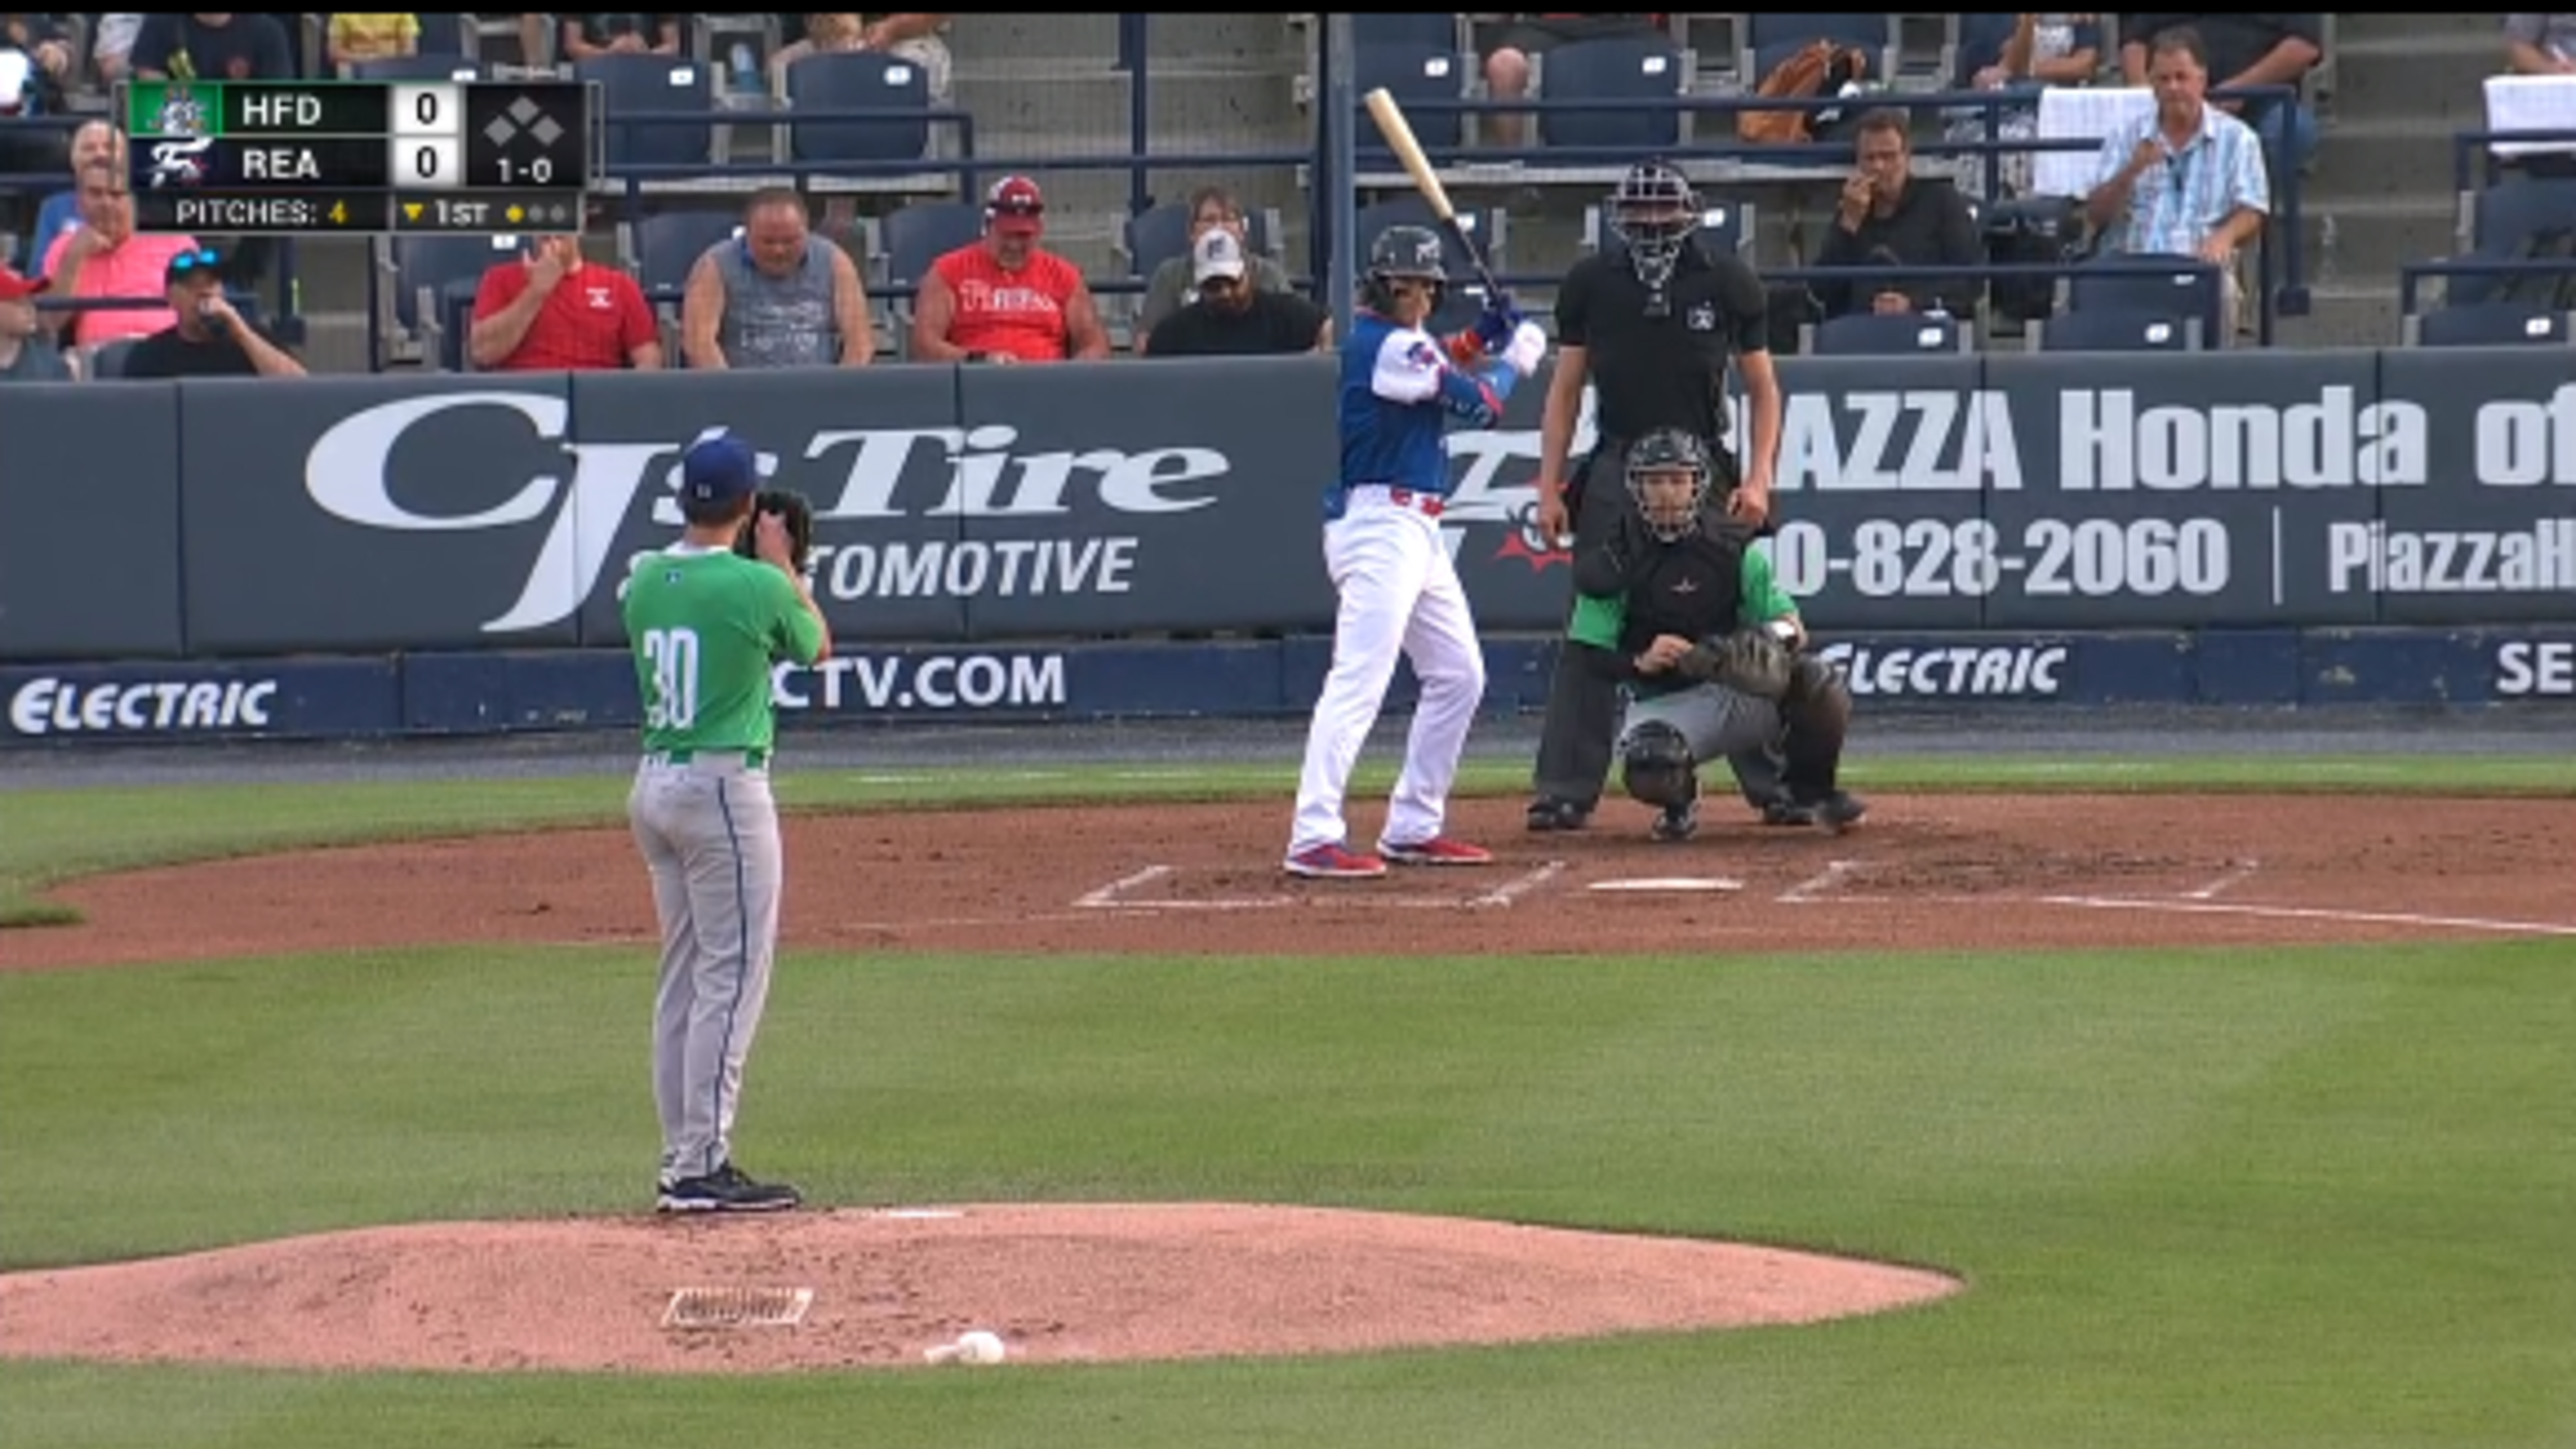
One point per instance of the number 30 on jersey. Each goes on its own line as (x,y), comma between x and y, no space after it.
(672,657)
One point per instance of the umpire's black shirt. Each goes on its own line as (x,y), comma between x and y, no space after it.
(1668,371)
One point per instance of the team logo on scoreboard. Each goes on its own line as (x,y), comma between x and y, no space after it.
(181,113)
(180,163)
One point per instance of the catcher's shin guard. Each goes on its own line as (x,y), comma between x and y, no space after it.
(1816,717)
(1656,766)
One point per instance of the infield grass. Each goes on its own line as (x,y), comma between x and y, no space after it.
(2319,1199)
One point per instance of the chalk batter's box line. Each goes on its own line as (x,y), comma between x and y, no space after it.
(1114,898)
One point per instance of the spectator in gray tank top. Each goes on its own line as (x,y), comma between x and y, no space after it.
(776,295)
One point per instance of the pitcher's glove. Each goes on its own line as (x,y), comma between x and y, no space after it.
(799,513)
(1750,661)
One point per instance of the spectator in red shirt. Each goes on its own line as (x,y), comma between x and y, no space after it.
(1006,299)
(554,312)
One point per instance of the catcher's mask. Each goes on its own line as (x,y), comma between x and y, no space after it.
(1405,254)
(1668,476)
(1654,212)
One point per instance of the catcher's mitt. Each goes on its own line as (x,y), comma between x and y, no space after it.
(1749,661)
(799,513)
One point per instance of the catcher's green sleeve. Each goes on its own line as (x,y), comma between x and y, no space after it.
(1597,621)
(1760,599)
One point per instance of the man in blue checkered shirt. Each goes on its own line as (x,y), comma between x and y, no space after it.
(2186,179)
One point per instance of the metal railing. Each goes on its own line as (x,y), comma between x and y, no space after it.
(2474,161)
(2412,276)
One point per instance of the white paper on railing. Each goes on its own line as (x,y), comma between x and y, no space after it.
(2088,113)
(2531,103)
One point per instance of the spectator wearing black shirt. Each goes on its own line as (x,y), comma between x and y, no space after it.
(1231,317)
(1888,216)
(215,47)
(210,338)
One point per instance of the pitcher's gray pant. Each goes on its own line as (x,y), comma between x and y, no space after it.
(1718,721)
(708,830)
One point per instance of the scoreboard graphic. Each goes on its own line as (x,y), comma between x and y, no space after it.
(360,158)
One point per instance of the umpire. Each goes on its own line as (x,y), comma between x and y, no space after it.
(1651,325)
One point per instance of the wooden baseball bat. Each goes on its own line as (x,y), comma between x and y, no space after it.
(1399,139)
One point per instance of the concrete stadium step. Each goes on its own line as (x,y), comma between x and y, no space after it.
(1089,115)
(2388,157)
(1070,40)
(2364,240)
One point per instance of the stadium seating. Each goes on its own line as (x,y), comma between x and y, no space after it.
(2506,219)
(905,241)
(1638,69)
(646,85)
(421,291)
(1867,334)
(106,361)
(441,34)
(2192,290)
(855,80)
(1413,74)
(418,67)
(1723,228)
(1440,31)
(2106,329)
(2487,324)
(669,242)
(1162,233)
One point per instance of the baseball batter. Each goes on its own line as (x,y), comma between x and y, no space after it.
(705,624)
(1400,595)
(1676,605)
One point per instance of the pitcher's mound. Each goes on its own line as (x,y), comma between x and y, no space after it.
(1058,1283)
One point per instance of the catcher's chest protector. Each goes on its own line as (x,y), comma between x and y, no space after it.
(1689,588)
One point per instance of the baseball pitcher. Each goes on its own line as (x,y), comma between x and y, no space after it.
(705,623)
(1677,607)
(1400,595)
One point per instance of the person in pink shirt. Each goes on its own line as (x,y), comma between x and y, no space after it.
(104,257)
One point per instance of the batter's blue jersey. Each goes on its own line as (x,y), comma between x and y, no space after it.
(1398,390)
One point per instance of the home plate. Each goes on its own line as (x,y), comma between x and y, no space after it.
(1670,883)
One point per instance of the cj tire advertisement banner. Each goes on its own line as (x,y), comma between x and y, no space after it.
(973,505)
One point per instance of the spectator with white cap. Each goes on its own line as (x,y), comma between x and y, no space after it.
(1234,317)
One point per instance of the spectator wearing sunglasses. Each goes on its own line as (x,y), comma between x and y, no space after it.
(105,259)
(209,338)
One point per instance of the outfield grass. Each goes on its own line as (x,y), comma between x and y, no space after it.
(2316,1199)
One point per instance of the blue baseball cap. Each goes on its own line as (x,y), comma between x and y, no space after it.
(719,469)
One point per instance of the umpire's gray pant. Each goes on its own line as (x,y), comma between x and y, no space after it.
(1717,721)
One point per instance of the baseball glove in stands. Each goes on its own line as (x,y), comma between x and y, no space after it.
(1749,661)
(798,512)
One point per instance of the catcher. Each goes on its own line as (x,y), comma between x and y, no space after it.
(1681,610)
(790,505)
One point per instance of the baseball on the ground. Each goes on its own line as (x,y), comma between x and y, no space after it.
(981,1346)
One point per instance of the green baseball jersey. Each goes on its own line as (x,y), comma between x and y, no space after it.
(1602,620)
(704,628)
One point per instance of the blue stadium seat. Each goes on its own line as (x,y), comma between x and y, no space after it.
(2506,217)
(1724,227)
(1413,74)
(52,219)
(914,235)
(420,67)
(428,291)
(2191,290)
(2107,329)
(1772,38)
(106,361)
(1371,30)
(854,80)
(2489,324)
(441,34)
(652,84)
(669,242)
(1981,43)
(1625,68)
(1459,307)
(1866,334)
